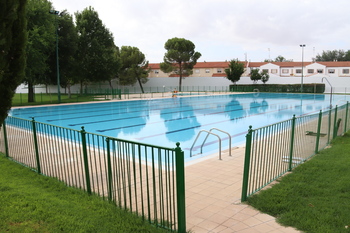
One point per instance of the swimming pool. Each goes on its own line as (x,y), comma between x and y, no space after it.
(164,122)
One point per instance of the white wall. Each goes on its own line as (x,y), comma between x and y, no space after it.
(339,84)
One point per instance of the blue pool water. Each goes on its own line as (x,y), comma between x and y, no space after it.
(164,122)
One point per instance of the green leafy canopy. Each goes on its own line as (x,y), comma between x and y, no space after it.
(180,58)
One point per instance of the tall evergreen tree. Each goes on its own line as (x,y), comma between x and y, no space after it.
(67,44)
(41,43)
(96,49)
(134,67)
(180,58)
(13,38)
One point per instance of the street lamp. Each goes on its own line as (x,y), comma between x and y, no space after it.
(54,12)
(302,66)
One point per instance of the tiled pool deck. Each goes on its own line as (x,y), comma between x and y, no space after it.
(213,192)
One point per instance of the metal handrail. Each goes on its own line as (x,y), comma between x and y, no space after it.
(202,145)
(229,137)
(209,132)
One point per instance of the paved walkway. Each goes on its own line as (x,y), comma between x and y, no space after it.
(213,192)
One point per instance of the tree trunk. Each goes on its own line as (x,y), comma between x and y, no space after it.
(140,85)
(110,84)
(81,87)
(31,98)
(69,91)
(180,78)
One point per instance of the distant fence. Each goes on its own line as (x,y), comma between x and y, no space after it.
(273,150)
(145,179)
(280,88)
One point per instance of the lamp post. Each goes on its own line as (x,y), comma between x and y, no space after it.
(302,66)
(54,12)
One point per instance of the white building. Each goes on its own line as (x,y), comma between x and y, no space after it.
(211,76)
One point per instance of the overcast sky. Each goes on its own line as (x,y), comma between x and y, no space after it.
(225,29)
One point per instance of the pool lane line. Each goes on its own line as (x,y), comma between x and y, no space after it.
(159,109)
(180,118)
(196,109)
(212,123)
(114,105)
(121,105)
(175,119)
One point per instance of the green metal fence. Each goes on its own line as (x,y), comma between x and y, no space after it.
(273,150)
(145,179)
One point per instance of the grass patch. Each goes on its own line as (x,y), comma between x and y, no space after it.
(34,203)
(21,99)
(315,197)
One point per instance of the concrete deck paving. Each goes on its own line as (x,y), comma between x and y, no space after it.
(213,193)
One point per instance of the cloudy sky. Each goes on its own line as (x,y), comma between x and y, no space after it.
(225,29)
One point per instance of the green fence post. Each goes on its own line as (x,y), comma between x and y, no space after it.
(86,162)
(346,117)
(5,140)
(318,131)
(335,128)
(180,188)
(248,146)
(291,144)
(109,167)
(329,125)
(36,146)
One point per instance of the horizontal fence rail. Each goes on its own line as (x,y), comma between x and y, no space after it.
(273,150)
(145,179)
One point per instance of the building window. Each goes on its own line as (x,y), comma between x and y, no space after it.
(207,71)
(219,70)
(156,71)
(298,71)
(320,71)
(345,71)
(310,71)
(265,70)
(331,71)
(197,71)
(274,71)
(285,71)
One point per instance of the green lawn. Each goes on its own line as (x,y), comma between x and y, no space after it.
(315,197)
(21,99)
(30,202)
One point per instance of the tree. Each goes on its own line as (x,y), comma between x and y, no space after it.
(264,76)
(334,55)
(67,44)
(134,67)
(279,58)
(97,53)
(255,75)
(13,39)
(180,58)
(41,43)
(235,71)
(282,59)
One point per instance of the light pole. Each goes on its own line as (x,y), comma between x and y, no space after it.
(302,66)
(54,12)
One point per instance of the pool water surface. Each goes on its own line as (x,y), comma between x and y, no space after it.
(164,122)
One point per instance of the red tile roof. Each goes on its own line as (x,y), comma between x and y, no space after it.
(259,64)
(219,75)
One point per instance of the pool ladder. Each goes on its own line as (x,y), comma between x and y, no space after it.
(208,133)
